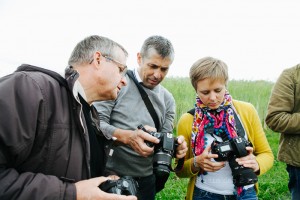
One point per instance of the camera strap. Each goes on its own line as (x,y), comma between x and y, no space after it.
(238,125)
(161,180)
(146,99)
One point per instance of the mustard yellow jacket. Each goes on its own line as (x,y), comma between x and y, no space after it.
(253,129)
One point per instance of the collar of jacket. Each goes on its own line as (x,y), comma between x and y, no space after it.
(71,76)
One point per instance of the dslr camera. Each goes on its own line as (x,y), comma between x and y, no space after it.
(126,185)
(164,151)
(229,151)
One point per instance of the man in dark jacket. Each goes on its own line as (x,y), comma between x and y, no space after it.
(50,144)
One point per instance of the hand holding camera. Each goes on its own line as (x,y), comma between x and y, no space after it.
(249,160)
(204,161)
(126,185)
(136,140)
(152,133)
(229,151)
(164,151)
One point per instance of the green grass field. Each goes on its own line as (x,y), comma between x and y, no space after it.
(273,184)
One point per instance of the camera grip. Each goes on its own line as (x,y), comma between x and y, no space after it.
(105,186)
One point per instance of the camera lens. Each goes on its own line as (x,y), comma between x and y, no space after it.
(161,163)
(125,184)
(241,175)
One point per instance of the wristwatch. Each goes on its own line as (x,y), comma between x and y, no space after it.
(196,164)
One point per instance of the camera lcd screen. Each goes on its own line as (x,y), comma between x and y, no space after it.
(225,148)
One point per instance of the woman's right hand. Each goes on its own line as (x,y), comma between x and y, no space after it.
(205,162)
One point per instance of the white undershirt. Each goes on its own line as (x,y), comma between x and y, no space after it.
(218,182)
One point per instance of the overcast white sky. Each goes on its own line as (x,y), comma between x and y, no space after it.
(256,38)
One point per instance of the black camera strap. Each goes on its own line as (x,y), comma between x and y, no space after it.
(238,125)
(161,180)
(146,99)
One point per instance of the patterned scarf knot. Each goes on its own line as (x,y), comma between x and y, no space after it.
(221,120)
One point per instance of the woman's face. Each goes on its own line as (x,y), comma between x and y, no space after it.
(211,92)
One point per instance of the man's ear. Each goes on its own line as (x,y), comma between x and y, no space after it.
(139,58)
(97,56)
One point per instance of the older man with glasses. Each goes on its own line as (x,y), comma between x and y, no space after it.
(51,146)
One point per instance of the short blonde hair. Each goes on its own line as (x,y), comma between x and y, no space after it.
(208,67)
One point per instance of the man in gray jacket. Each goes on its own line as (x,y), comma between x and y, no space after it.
(50,143)
(284,116)
(120,118)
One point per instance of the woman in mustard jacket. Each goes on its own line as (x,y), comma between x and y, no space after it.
(228,147)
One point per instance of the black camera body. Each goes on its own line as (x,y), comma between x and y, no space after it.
(164,151)
(236,146)
(126,185)
(229,151)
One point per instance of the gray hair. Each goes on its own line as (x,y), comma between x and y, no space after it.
(208,67)
(161,45)
(85,49)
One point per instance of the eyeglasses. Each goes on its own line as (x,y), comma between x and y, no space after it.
(122,67)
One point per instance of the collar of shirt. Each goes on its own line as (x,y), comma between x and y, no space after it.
(78,89)
(137,76)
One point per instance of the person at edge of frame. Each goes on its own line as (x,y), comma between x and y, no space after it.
(283,116)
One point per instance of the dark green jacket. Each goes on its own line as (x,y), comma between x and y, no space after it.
(284,115)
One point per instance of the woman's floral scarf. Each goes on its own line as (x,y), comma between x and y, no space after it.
(221,119)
